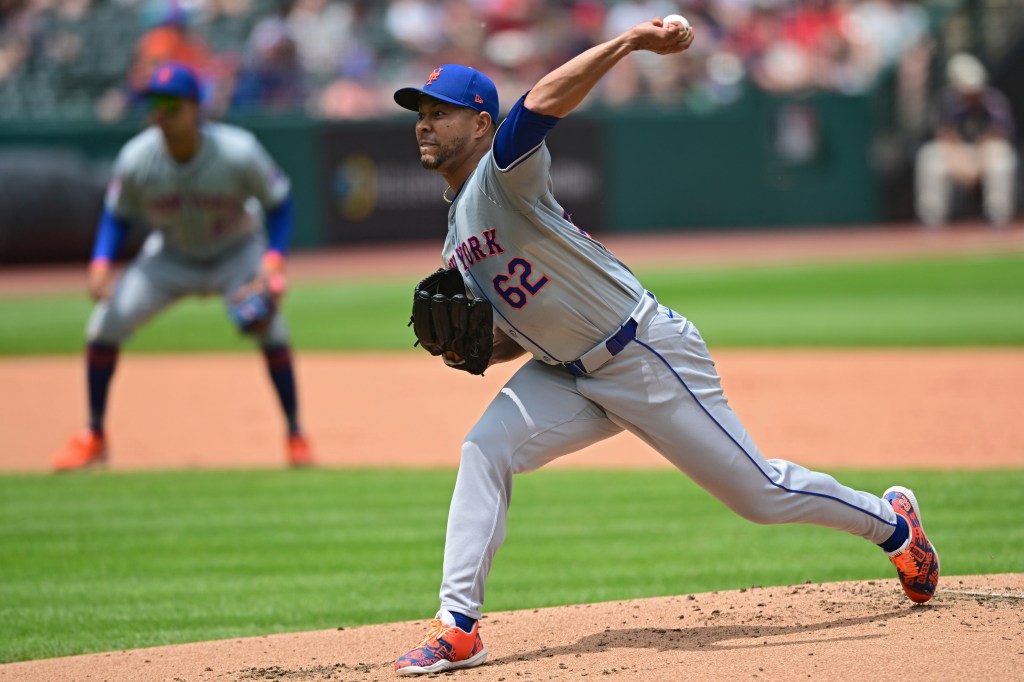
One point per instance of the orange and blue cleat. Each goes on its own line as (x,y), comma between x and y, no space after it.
(916,562)
(445,647)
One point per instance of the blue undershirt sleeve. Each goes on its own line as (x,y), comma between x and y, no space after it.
(110,236)
(280,222)
(522,131)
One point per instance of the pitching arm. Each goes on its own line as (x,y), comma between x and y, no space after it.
(562,90)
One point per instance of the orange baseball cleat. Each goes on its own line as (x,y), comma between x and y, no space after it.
(445,647)
(85,449)
(916,562)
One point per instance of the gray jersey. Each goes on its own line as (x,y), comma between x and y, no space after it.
(510,239)
(203,207)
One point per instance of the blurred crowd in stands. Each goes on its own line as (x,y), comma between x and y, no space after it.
(342,59)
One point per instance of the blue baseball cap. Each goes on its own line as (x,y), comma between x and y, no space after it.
(455,84)
(173,80)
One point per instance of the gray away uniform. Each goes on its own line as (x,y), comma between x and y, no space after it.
(208,235)
(559,294)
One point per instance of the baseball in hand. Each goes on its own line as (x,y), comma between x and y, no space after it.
(676,19)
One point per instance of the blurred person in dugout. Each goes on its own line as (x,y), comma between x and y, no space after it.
(972,148)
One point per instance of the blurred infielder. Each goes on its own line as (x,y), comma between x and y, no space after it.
(606,355)
(203,188)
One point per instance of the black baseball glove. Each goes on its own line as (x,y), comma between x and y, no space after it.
(449,323)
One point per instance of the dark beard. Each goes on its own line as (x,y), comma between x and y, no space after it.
(443,154)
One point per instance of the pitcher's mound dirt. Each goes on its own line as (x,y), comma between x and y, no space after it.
(868,630)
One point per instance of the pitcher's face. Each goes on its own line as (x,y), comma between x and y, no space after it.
(443,133)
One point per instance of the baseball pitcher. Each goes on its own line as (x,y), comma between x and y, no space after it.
(606,355)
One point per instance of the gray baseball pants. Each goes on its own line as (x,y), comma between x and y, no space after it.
(663,388)
(159,277)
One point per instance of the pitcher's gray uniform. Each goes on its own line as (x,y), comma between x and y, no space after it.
(208,235)
(662,387)
(606,355)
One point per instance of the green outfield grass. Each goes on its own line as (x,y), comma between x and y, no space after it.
(969,300)
(109,561)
